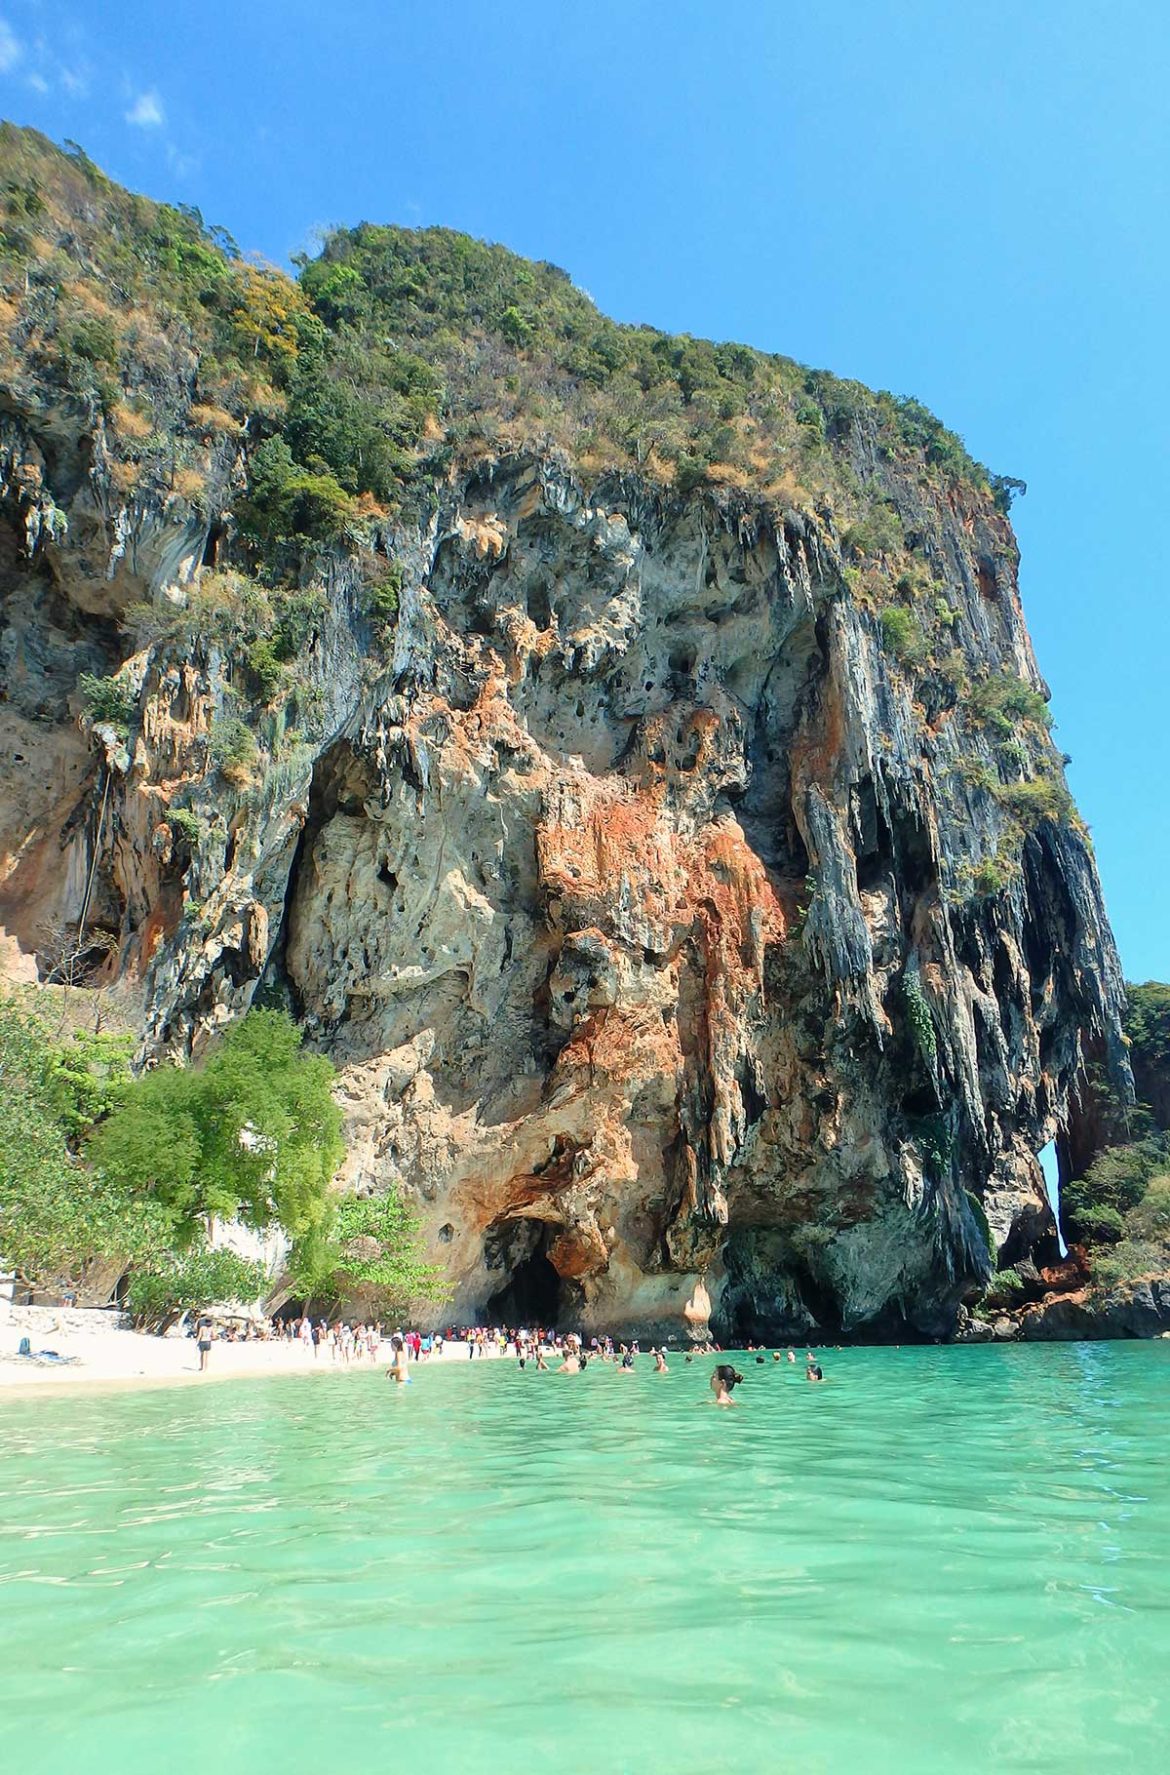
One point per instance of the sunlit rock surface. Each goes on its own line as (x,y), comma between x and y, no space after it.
(606,883)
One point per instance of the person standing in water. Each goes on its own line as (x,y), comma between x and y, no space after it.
(660,1362)
(399,1369)
(723,1382)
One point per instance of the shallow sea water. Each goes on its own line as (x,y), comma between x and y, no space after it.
(941,1560)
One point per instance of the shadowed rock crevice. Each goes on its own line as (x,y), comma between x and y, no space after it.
(531,1294)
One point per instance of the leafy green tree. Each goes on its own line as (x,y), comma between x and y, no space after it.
(157,1296)
(382,595)
(1042,797)
(1147,1022)
(1151,1218)
(286,501)
(266,670)
(371,1243)
(1098,1224)
(232,744)
(108,699)
(1000,703)
(253,1133)
(56,1214)
(1144,1250)
(79,1075)
(337,292)
(358,410)
(1128,1262)
(1116,1180)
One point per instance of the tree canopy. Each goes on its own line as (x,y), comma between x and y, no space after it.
(370,1244)
(96,1164)
(56,1214)
(251,1134)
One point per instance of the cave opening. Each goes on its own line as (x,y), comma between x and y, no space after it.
(531,1292)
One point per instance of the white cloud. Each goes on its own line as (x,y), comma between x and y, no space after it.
(10,50)
(38,83)
(146,111)
(182,165)
(75,82)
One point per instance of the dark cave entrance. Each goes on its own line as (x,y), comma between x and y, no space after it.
(530,1289)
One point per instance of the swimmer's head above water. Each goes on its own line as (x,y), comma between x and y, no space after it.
(724,1380)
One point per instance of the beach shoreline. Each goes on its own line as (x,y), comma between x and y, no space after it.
(110,1357)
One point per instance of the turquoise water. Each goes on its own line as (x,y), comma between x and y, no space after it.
(941,1560)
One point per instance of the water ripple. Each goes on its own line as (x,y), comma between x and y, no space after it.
(943,1559)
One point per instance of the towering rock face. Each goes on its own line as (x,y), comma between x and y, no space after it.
(698,945)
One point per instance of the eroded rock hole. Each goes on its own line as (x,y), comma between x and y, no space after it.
(539,604)
(212,546)
(530,1288)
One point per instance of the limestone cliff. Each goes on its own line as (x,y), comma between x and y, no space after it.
(676,864)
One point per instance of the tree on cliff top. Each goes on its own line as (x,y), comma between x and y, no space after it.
(251,1134)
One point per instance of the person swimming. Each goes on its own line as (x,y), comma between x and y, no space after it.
(660,1362)
(775,1355)
(813,1370)
(724,1380)
(792,1355)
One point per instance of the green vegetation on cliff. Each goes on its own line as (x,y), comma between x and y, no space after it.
(398,356)
(396,352)
(309,416)
(1120,1209)
(426,325)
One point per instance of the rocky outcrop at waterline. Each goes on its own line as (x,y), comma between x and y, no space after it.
(678,869)
(1078,1314)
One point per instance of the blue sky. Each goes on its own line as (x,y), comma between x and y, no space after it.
(967,204)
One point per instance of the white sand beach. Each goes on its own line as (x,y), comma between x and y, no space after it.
(106,1353)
